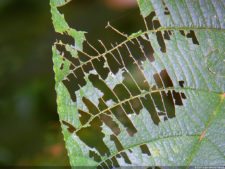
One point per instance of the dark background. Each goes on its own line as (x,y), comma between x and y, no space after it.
(30,132)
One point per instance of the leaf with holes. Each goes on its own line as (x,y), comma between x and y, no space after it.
(154,99)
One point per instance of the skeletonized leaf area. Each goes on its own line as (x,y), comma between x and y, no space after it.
(155,98)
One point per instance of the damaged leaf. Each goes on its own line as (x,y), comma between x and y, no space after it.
(154,99)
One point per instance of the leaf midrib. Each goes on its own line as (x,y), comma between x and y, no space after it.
(143,94)
(130,38)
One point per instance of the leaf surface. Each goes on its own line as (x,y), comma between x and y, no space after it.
(155,99)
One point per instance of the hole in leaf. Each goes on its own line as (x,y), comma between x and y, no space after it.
(91,106)
(92,136)
(145,149)
(150,106)
(113,62)
(149,20)
(110,123)
(94,155)
(84,116)
(117,143)
(126,158)
(115,162)
(166,12)
(109,163)
(121,115)
(192,35)
(121,92)
(70,128)
(100,84)
(159,36)
(100,68)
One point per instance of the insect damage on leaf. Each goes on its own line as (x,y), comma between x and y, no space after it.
(135,85)
(127,97)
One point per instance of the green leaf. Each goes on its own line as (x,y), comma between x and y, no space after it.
(145,7)
(58,3)
(157,103)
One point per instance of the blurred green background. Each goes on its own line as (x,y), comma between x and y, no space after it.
(30,132)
